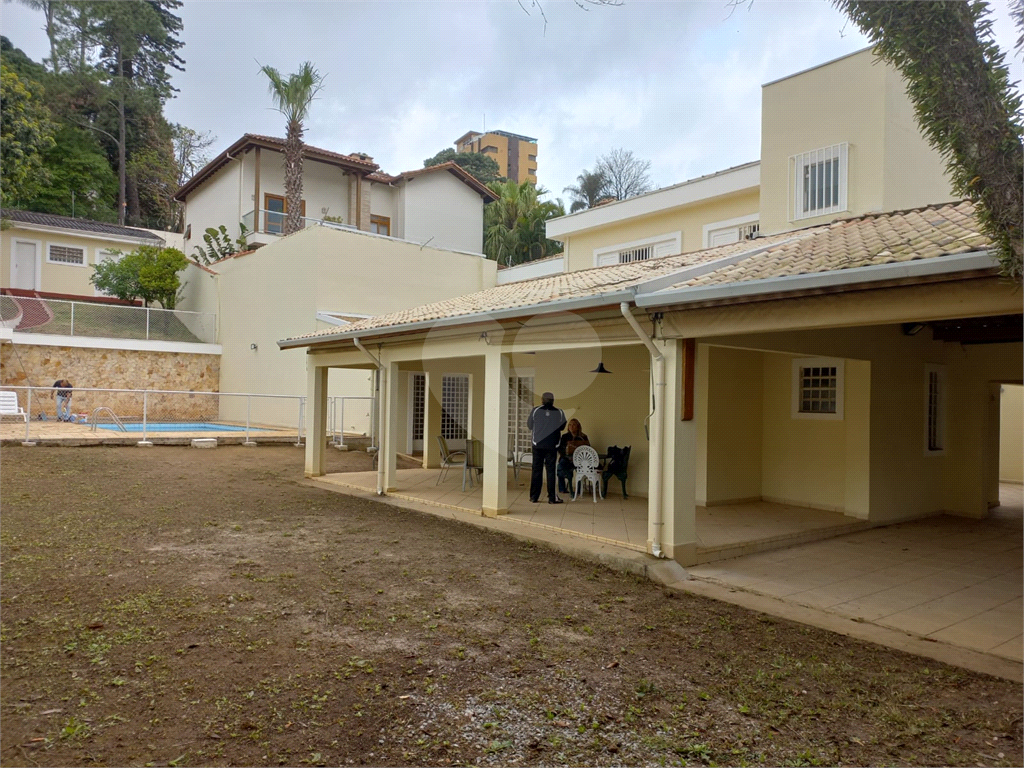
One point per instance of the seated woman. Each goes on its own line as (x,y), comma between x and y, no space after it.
(573,438)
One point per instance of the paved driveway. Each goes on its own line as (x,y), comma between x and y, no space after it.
(945,578)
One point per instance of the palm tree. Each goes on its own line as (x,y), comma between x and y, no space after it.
(293,97)
(591,187)
(514,224)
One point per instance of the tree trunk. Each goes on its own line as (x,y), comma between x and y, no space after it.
(122,160)
(134,208)
(51,33)
(293,177)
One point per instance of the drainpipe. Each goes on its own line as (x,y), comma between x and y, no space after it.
(657,427)
(380,411)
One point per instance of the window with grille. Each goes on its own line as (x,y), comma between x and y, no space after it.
(66,254)
(454,406)
(819,181)
(818,388)
(520,403)
(640,250)
(935,416)
(419,389)
(749,232)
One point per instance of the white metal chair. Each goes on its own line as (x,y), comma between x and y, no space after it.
(449,459)
(585,461)
(9,405)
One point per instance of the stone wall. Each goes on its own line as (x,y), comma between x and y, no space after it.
(40,366)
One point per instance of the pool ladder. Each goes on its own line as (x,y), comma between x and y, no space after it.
(113,416)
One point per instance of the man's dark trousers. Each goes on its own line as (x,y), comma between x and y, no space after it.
(543,460)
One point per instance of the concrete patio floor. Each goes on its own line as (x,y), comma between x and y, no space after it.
(947,579)
(722,532)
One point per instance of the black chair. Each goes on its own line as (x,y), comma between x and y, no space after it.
(618,466)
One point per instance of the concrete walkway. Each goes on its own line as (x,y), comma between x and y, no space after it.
(996,655)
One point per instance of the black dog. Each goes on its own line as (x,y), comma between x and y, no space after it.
(618,466)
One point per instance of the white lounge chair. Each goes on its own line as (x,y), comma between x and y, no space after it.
(9,405)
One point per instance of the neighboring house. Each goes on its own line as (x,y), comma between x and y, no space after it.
(837,141)
(245,184)
(42,252)
(848,367)
(515,155)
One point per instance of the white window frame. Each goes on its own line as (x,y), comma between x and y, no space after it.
(798,162)
(941,408)
(82,248)
(410,424)
(675,239)
(735,223)
(39,259)
(818,362)
(469,400)
(522,373)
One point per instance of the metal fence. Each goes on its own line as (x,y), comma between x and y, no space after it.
(114,321)
(154,413)
(168,413)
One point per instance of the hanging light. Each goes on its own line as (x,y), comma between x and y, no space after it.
(600,368)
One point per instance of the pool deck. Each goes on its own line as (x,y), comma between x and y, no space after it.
(58,433)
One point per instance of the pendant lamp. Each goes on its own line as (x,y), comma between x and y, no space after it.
(600,368)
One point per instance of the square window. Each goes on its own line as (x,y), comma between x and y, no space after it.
(817,389)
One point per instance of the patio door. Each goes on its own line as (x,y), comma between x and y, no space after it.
(455,409)
(417,410)
(520,403)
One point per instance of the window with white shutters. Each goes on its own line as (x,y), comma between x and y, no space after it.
(641,250)
(819,181)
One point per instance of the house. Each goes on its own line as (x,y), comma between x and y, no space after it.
(42,252)
(515,155)
(244,184)
(824,328)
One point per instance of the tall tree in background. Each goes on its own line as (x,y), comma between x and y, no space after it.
(26,132)
(50,9)
(626,174)
(293,97)
(591,187)
(483,168)
(514,224)
(959,86)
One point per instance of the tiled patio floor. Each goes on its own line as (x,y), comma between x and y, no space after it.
(950,579)
(721,531)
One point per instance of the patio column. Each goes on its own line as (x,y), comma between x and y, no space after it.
(316,417)
(495,479)
(389,433)
(679,469)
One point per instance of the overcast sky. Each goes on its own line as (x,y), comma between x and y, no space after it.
(678,83)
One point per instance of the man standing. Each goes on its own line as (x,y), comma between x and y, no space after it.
(62,388)
(546,422)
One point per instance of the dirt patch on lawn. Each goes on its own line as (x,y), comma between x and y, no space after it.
(181,607)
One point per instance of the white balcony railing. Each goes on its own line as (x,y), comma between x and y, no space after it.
(112,321)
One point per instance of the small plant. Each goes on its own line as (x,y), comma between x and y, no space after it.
(74,729)
(219,244)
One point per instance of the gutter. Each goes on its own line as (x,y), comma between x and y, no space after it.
(964,262)
(654,491)
(380,408)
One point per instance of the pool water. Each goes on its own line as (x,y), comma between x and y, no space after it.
(181,426)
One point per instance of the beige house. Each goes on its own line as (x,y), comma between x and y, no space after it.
(442,205)
(832,368)
(46,253)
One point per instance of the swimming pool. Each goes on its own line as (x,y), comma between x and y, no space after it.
(181,426)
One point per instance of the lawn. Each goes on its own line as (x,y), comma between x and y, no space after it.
(116,322)
(180,607)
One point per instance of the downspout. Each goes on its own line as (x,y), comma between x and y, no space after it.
(380,412)
(654,493)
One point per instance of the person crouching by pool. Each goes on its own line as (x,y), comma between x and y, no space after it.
(545,423)
(573,438)
(62,389)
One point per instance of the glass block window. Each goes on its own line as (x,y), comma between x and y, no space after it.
(818,388)
(66,254)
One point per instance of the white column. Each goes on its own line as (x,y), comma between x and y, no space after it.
(495,480)
(679,469)
(389,433)
(316,417)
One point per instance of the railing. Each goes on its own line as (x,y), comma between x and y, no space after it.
(82,318)
(352,414)
(272,222)
(158,413)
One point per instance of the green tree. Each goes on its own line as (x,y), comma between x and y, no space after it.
(149,273)
(81,181)
(26,132)
(959,85)
(514,224)
(483,168)
(591,188)
(293,97)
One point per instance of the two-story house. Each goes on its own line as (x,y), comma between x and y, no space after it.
(244,184)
